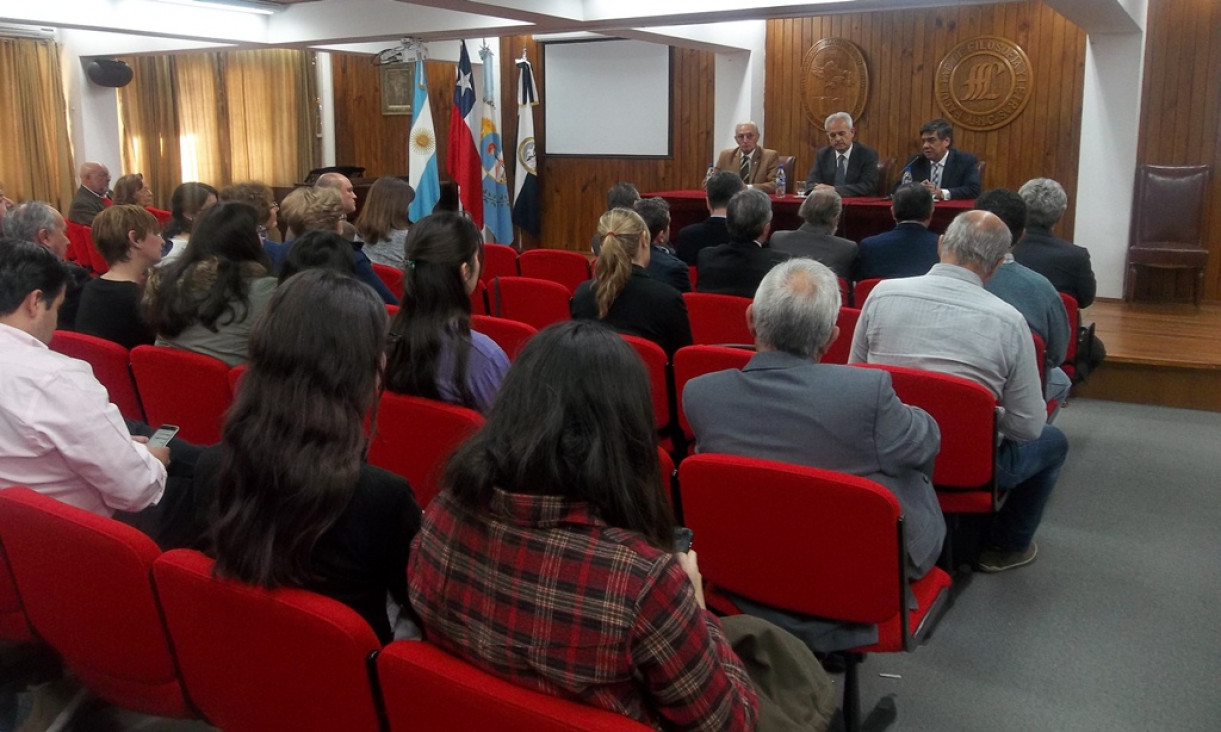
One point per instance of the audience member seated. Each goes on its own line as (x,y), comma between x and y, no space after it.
(130,189)
(546,559)
(718,189)
(738,267)
(433,352)
(1063,263)
(1032,295)
(620,195)
(815,238)
(321,208)
(786,406)
(289,499)
(946,321)
(207,300)
(340,183)
(382,224)
(623,295)
(92,196)
(263,199)
(188,201)
(37,222)
(59,433)
(319,250)
(129,239)
(909,249)
(663,265)
(6,205)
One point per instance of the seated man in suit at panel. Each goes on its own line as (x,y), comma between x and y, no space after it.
(92,196)
(846,166)
(947,172)
(946,321)
(907,250)
(738,267)
(756,166)
(620,195)
(663,265)
(816,238)
(786,406)
(719,188)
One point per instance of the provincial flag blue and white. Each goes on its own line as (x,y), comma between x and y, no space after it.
(497,216)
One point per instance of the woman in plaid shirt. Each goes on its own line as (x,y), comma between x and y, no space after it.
(547,559)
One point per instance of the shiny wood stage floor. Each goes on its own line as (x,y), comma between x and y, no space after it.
(1157,353)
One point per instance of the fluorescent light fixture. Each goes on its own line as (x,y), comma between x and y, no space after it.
(236,6)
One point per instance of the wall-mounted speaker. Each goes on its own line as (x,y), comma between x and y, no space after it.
(108,72)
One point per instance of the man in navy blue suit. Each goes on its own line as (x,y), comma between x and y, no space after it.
(663,265)
(720,187)
(909,249)
(947,172)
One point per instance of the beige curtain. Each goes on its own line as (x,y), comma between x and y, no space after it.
(36,153)
(148,118)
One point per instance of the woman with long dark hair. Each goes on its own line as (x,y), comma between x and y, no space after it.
(433,351)
(207,299)
(546,559)
(187,203)
(289,498)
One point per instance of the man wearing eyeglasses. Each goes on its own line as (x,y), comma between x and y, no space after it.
(758,166)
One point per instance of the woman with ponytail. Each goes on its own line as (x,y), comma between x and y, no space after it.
(623,295)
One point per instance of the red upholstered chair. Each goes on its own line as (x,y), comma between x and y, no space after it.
(693,361)
(257,659)
(566,267)
(183,388)
(415,437)
(479,299)
(861,290)
(841,348)
(499,260)
(86,586)
(510,335)
(1040,357)
(536,302)
(1074,326)
(111,366)
(235,378)
(391,277)
(693,273)
(13,624)
(845,291)
(659,379)
(392,310)
(810,541)
(718,319)
(425,689)
(163,217)
(83,251)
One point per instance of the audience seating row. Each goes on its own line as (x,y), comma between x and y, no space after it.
(565,267)
(84,252)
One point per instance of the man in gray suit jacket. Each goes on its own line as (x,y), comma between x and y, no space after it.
(786,406)
(815,238)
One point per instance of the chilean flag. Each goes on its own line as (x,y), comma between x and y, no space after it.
(462,158)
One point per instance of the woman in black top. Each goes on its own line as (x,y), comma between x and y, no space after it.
(129,238)
(622,294)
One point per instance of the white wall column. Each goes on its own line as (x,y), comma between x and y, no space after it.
(326,108)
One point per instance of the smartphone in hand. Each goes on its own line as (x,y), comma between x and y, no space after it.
(163,435)
(682,539)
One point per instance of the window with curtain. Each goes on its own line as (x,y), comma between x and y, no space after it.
(220,118)
(36,156)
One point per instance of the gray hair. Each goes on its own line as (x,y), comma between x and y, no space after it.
(977,238)
(31,217)
(796,306)
(748,214)
(837,115)
(822,209)
(1045,200)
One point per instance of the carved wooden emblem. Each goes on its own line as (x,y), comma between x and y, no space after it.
(836,80)
(984,83)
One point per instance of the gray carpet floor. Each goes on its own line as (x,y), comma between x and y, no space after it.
(1116,625)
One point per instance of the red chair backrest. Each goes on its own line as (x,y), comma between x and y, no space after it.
(718,319)
(391,277)
(428,690)
(111,366)
(756,522)
(1040,358)
(659,382)
(499,260)
(566,267)
(510,335)
(862,290)
(693,361)
(479,299)
(13,625)
(536,302)
(1074,323)
(86,586)
(693,273)
(82,249)
(235,378)
(415,437)
(257,659)
(183,388)
(842,347)
(163,217)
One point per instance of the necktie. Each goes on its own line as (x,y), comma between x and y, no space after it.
(841,171)
(936,175)
(745,170)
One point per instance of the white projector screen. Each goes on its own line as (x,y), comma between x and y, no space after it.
(607,97)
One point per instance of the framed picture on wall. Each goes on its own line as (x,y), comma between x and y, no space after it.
(398,93)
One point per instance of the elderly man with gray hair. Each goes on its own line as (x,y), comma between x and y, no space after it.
(40,223)
(786,406)
(844,165)
(946,321)
(816,239)
(1063,263)
(738,267)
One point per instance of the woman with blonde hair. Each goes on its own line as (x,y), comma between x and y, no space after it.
(623,295)
(382,224)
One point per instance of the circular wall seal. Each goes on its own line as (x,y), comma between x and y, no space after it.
(983,83)
(836,80)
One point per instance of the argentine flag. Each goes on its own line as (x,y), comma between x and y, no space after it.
(422,150)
